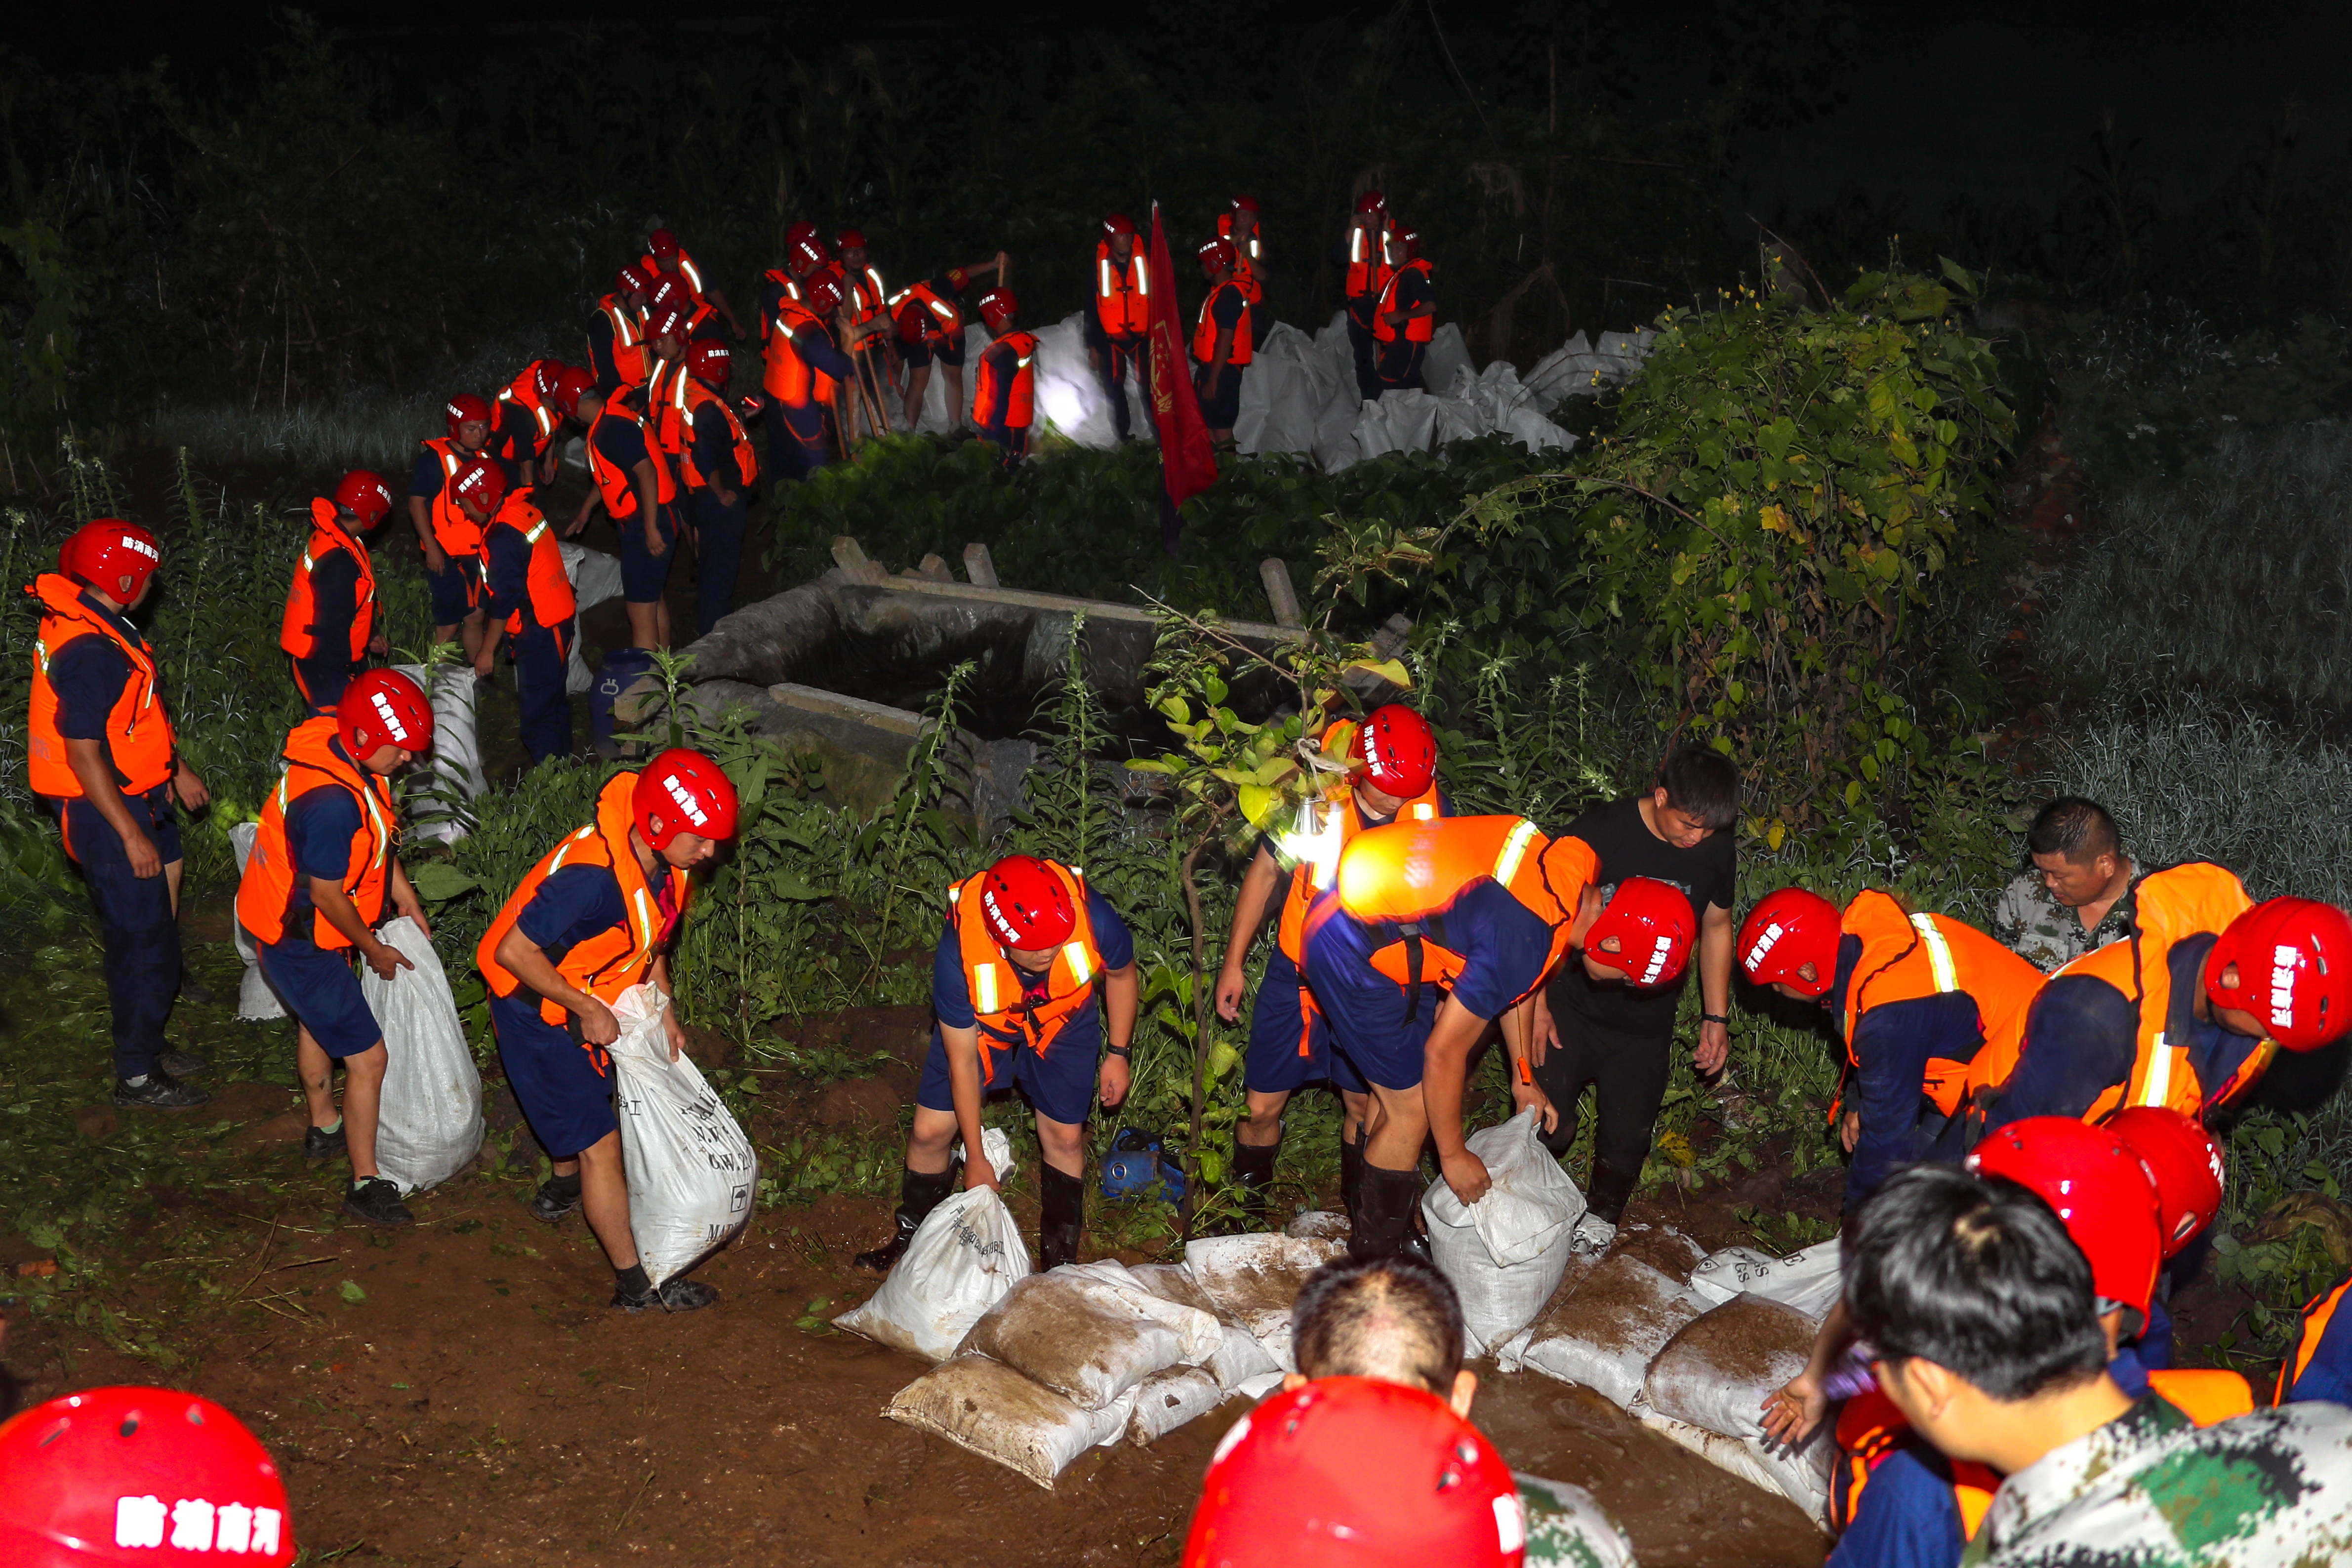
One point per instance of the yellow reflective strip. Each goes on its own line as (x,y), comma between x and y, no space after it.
(691,273)
(1105,284)
(2158,1087)
(1142,276)
(1515,850)
(983,988)
(382,833)
(534,534)
(1940,953)
(644,919)
(1076,952)
(1426,812)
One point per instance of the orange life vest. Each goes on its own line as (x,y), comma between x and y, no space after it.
(686,273)
(1122,294)
(938,319)
(2308,1335)
(453,530)
(1018,409)
(619,485)
(138,729)
(1204,333)
(524,393)
(1870,1428)
(1906,956)
(1245,259)
(1009,1018)
(264,896)
(627,323)
(867,297)
(1368,268)
(635,364)
(791,289)
(553,602)
(1331,825)
(1420,328)
(611,961)
(1409,874)
(2207,1396)
(662,419)
(789,378)
(298,633)
(682,400)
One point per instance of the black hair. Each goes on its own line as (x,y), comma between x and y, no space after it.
(1394,1318)
(1702,782)
(2071,826)
(1976,1275)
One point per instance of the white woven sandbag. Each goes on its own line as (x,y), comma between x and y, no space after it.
(430,1124)
(1719,1367)
(1605,1331)
(1799,1473)
(595,577)
(993,1410)
(1254,1282)
(1090,1333)
(1505,1254)
(959,1263)
(255,1002)
(1808,1281)
(691,1171)
(1167,1400)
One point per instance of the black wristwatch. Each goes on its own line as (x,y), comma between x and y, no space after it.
(1723,1018)
(1122,1051)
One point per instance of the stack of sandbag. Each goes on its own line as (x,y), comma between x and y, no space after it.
(965,1256)
(255,1002)
(1068,394)
(444,788)
(1446,357)
(429,1124)
(1604,1325)
(1289,386)
(1807,1280)
(1506,1252)
(1493,401)
(1252,1282)
(1707,1390)
(595,578)
(1577,369)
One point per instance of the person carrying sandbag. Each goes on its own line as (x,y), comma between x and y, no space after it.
(1013,983)
(599,915)
(315,885)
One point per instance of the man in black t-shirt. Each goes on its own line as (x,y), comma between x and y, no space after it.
(1615,1038)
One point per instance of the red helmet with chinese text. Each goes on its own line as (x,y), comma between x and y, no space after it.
(151,1476)
(669,294)
(631,278)
(997,307)
(1024,905)
(804,245)
(466,408)
(2185,1162)
(1217,254)
(482,483)
(1786,931)
(364,496)
(1651,924)
(1372,202)
(1397,748)
(1117,224)
(384,707)
(670,323)
(662,244)
(1245,204)
(2293,958)
(683,791)
(112,556)
(850,239)
(1293,1484)
(2100,1189)
(823,293)
(544,374)
(711,362)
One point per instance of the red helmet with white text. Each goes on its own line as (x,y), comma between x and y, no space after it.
(1786,931)
(683,791)
(1245,204)
(544,374)
(823,293)
(804,245)
(570,387)
(850,239)
(384,707)
(997,307)
(631,278)
(2100,1189)
(1397,748)
(662,244)
(2294,957)
(112,556)
(481,483)
(1117,224)
(1217,254)
(711,362)
(2185,1162)
(1372,202)
(1651,924)
(1024,905)
(466,408)
(364,496)
(668,323)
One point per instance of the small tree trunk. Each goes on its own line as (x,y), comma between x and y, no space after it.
(1200,1012)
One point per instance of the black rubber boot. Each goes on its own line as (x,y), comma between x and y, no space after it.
(918,1195)
(1611,1190)
(634,1292)
(1352,1173)
(1383,1218)
(1254,1173)
(1064,1213)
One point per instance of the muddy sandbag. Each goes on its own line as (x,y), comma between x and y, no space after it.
(1800,1474)
(1254,1282)
(1605,1332)
(1808,1281)
(1661,1246)
(959,1263)
(1319,1225)
(1505,1252)
(1239,1358)
(1170,1282)
(429,1121)
(255,1002)
(1718,1368)
(1089,1335)
(988,1407)
(1566,1525)
(691,1171)
(1167,1400)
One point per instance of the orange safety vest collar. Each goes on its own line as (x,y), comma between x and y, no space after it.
(1007,1016)
(1122,294)
(1204,332)
(138,730)
(1906,957)
(867,297)
(524,393)
(1367,274)
(298,633)
(549,588)
(265,895)
(1019,410)
(1420,328)
(789,379)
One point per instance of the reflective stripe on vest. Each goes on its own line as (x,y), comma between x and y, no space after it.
(1940,952)
(1515,850)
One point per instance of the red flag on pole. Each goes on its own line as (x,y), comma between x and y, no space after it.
(1188,464)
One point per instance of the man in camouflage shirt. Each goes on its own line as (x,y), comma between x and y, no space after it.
(2071,902)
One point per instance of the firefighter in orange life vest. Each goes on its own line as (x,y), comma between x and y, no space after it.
(1221,343)
(617,331)
(1390,773)
(451,543)
(1003,385)
(331,628)
(929,326)
(1116,328)
(100,747)
(598,917)
(1929,1008)
(866,303)
(1434,929)
(315,887)
(1367,281)
(1239,226)
(662,258)
(1406,316)
(715,460)
(1032,962)
(524,438)
(636,487)
(530,600)
(802,364)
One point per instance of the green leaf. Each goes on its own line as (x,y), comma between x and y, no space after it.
(437,881)
(349,1292)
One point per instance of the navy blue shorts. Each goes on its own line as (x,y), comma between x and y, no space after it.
(1290,1040)
(90,840)
(564,1087)
(322,991)
(1060,1085)
(322,680)
(919,355)
(457,588)
(1219,412)
(644,574)
(1365,1010)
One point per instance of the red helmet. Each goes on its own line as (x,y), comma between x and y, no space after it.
(1372,202)
(850,239)
(114,556)
(465,409)
(823,293)
(544,374)
(2100,1189)
(1025,904)
(631,278)
(1397,749)
(481,482)
(1117,224)
(683,790)
(1245,204)
(1786,931)
(2294,957)
(2183,1159)
(384,707)
(806,246)
(997,307)
(1654,928)
(663,245)
(138,1476)
(670,323)
(669,294)
(1218,252)
(711,362)
(365,496)
(570,387)
(1291,1487)
(1408,237)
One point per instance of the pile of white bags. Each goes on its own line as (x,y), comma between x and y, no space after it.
(1505,1254)
(255,1002)
(1605,1326)
(430,1126)
(965,1256)
(1576,368)
(691,1171)
(1252,1282)
(595,577)
(456,767)
(1066,393)
(1807,1280)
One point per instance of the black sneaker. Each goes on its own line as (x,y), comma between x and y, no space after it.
(317,1144)
(161,1091)
(376,1201)
(550,1203)
(675,1295)
(881,1259)
(180,1064)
